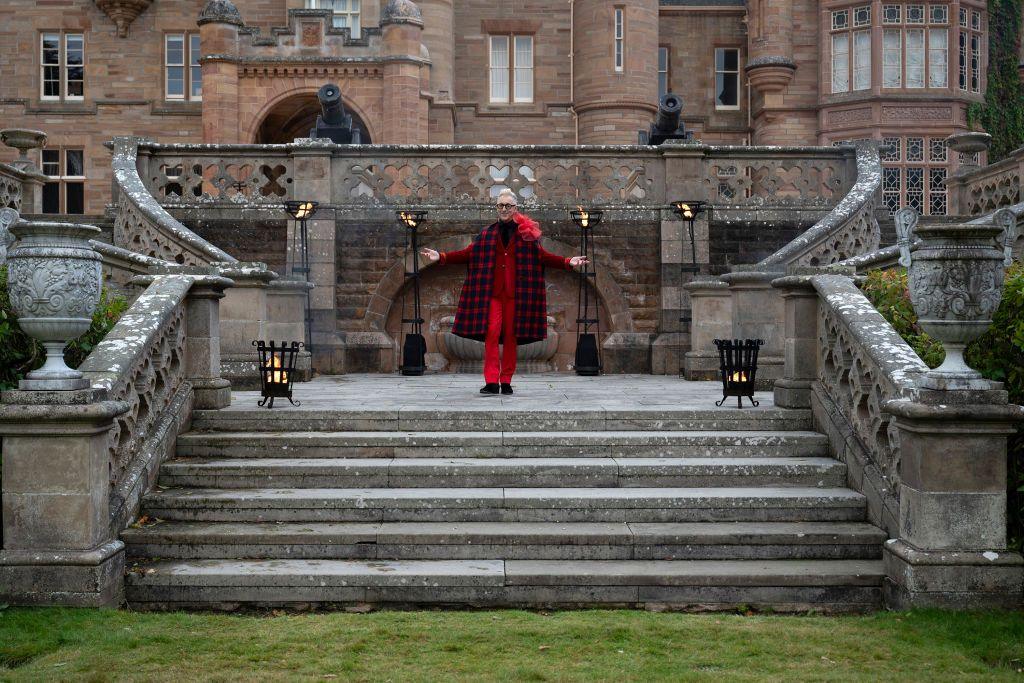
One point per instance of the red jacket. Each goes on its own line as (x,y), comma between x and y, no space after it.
(504,282)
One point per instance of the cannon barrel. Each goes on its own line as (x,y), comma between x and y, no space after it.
(332,110)
(669,110)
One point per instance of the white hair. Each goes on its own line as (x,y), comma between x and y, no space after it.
(510,194)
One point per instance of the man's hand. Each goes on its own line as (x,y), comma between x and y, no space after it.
(431,255)
(578,261)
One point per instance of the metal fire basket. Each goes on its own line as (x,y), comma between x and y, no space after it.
(277,368)
(738,361)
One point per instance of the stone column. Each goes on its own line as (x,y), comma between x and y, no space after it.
(286,308)
(800,351)
(313,180)
(758,313)
(770,67)
(243,319)
(218,37)
(58,548)
(202,343)
(711,306)
(951,550)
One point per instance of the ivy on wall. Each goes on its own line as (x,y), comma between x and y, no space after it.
(1003,112)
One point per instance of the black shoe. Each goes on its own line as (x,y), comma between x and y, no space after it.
(506,389)
(490,389)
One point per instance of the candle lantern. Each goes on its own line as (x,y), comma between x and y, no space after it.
(414,348)
(588,350)
(277,368)
(738,363)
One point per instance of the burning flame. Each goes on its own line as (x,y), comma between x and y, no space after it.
(738,377)
(685,209)
(277,376)
(584,217)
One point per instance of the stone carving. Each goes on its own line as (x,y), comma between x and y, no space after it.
(849,116)
(122,12)
(956,283)
(917,113)
(1008,220)
(7,218)
(54,286)
(905,220)
(992,190)
(401,11)
(212,179)
(220,11)
(775,182)
(10,191)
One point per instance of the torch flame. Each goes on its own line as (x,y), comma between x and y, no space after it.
(277,376)
(738,377)
(584,217)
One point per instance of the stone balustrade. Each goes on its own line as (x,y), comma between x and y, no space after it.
(981,190)
(102,445)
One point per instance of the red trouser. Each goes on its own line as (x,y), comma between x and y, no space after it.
(500,325)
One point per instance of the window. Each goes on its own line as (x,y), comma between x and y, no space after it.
(183,77)
(64,191)
(969,50)
(914,174)
(511,75)
(851,50)
(620,39)
(345,13)
(915,56)
(62,66)
(663,71)
(727,78)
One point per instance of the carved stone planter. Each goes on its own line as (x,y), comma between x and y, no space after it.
(466,355)
(23,139)
(54,279)
(956,283)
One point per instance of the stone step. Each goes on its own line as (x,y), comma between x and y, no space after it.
(506,540)
(829,585)
(244,418)
(235,473)
(508,504)
(465,444)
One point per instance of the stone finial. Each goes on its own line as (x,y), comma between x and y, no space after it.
(401,12)
(220,11)
(123,12)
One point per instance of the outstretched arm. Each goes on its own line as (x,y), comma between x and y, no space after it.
(460,256)
(564,262)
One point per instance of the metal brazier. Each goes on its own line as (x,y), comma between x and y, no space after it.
(54,278)
(956,283)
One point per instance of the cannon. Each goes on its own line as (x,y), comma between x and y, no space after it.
(667,126)
(332,121)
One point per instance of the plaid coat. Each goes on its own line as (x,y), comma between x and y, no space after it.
(530,296)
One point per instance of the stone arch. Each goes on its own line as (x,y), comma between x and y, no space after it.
(302,99)
(620,318)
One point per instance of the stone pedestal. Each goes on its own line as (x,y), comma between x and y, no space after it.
(951,550)
(58,547)
(711,305)
(202,344)
(243,319)
(800,351)
(627,353)
(286,308)
(758,312)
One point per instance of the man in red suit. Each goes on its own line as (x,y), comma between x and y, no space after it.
(504,297)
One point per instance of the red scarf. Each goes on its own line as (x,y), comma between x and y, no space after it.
(529,229)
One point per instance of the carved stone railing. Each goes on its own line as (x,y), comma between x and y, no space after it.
(142,363)
(121,266)
(848,229)
(982,191)
(471,175)
(862,363)
(11,183)
(142,225)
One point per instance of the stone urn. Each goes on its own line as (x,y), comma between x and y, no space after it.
(956,283)
(23,139)
(53,279)
(467,355)
(969,144)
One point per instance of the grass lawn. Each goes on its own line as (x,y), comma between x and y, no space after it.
(63,644)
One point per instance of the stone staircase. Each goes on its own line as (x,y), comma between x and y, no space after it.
(480,506)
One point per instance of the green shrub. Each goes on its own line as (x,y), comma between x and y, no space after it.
(998,355)
(20,353)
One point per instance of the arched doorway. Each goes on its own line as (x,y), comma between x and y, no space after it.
(295,116)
